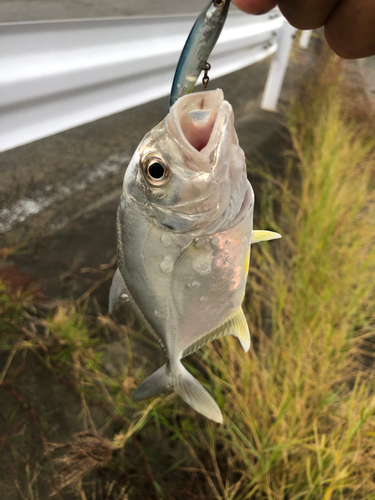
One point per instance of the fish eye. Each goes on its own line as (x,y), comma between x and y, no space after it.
(219,3)
(156,171)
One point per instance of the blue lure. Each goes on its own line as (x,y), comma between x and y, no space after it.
(198,47)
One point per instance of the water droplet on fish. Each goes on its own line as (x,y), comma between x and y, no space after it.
(202,266)
(157,313)
(165,240)
(168,386)
(203,299)
(167,265)
(194,284)
(245,240)
(228,260)
(215,241)
(161,344)
(124,297)
(201,243)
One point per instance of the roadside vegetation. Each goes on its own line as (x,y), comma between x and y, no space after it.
(299,409)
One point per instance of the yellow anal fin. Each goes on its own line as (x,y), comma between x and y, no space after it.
(235,325)
(262,235)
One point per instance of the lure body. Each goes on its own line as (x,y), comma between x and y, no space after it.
(198,47)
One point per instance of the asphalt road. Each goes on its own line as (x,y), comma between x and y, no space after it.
(38,10)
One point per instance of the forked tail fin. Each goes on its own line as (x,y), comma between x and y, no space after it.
(191,391)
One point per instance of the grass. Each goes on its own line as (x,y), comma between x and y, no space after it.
(299,409)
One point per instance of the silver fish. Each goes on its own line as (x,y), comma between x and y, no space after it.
(184,228)
(198,47)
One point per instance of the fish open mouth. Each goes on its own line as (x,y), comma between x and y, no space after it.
(197,126)
(196,116)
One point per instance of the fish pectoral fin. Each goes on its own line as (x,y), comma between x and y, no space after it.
(185,385)
(263,235)
(235,325)
(117,289)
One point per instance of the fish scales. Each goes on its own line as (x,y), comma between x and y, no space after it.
(184,228)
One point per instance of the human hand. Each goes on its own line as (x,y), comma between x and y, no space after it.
(349,25)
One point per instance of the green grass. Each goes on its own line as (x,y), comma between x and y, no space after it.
(13,307)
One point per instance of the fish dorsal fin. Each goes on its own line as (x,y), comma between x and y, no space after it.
(263,235)
(235,325)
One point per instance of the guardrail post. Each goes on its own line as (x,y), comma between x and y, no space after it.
(305,39)
(277,69)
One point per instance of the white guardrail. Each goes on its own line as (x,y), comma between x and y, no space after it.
(58,75)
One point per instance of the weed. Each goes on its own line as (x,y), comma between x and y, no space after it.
(75,343)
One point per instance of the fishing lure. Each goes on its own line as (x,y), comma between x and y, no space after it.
(198,47)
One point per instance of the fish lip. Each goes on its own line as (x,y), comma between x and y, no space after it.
(214,101)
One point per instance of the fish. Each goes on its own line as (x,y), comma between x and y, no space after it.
(198,47)
(184,230)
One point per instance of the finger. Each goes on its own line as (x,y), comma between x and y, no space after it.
(307,14)
(255,6)
(350,30)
